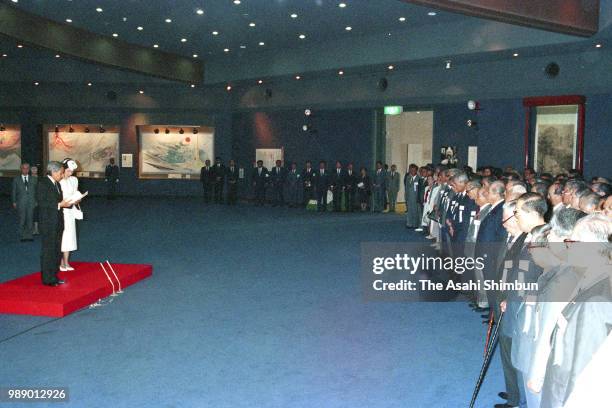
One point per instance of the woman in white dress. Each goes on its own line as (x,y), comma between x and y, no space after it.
(70,185)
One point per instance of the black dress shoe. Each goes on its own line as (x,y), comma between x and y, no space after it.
(503,395)
(60,282)
(481,309)
(504,405)
(52,284)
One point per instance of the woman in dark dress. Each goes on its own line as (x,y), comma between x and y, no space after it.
(363,188)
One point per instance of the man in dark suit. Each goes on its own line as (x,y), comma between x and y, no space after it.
(50,206)
(293,185)
(322,185)
(217,180)
(260,178)
(111,178)
(232,183)
(350,187)
(378,188)
(308,178)
(336,184)
(277,177)
(24,200)
(206,174)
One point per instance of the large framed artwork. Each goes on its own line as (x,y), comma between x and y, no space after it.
(10,150)
(174,152)
(555,142)
(269,156)
(91,146)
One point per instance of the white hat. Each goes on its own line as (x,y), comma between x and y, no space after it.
(70,164)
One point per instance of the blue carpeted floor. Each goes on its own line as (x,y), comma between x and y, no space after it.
(247,307)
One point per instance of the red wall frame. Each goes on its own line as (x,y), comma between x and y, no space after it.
(535,101)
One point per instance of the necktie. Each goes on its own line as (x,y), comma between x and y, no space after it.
(57,186)
(25,182)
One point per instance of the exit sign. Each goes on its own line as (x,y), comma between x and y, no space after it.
(393,110)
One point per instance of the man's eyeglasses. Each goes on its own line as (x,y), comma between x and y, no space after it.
(509,218)
(534,246)
(568,242)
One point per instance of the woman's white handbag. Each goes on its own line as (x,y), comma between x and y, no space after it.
(77,213)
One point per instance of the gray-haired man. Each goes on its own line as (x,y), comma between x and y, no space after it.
(24,200)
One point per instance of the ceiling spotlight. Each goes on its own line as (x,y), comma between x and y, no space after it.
(4,55)
(195,131)
(36,84)
(89,84)
(261,43)
(167,131)
(348,28)
(168,20)
(156,131)
(294,15)
(471,123)
(251,24)
(243,47)
(298,77)
(19,46)
(236,2)
(340,72)
(139,28)
(228,88)
(226,50)
(597,45)
(342,5)
(390,67)
(115,35)
(57,55)
(305,128)
(402,19)
(192,85)
(155,45)
(124,19)
(99,9)
(432,13)
(181,131)
(448,64)
(515,54)
(302,36)
(307,112)
(14,1)
(141,92)
(183,40)
(199,12)
(215,33)
(69,20)
(195,55)
(260,82)
(473,105)
(86,129)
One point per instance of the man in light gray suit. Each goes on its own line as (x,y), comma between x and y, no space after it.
(24,200)
(393,183)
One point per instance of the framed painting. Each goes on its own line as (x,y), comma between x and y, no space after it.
(10,150)
(174,152)
(91,146)
(555,142)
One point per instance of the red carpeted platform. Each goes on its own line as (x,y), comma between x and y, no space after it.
(84,286)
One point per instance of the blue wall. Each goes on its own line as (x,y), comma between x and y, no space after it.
(500,133)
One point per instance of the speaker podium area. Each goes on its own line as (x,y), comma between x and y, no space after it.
(84,286)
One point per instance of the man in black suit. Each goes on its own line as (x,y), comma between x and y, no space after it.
(260,178)
(322,184)
(206,174)
(308,178)
(277,176)
(336,184)
(217,179)
(232,183)
(111,178)
(350,187)
(50,206)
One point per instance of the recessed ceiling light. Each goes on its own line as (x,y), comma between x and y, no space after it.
(139,28)
(226,50)
(4,55)
(340,72)
(391,67)
(243,46)
(298,77)
(155,45)
(115,35)
(89,84)
(228,88)
(260,82)
(236,2)
(183,40)
(192,85)
(302,36)
(36,84)
(199,12)
(342,5)
(597,45)
(141,92)
(19,46)
(99,9)
(348,28)
(69,20)
(15,1)
(168,20)
(262,43)
(195,55)
(432,13)
(402,19)
(294,15)
(515,54)
(57,55)
(124,19)
(251,24)
(215,33)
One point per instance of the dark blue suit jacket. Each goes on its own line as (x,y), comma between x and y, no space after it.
(491,227)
